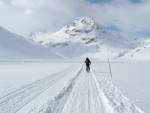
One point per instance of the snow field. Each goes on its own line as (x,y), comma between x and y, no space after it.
(15,100)
(75,90)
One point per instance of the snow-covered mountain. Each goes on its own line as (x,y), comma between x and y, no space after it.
(142,52)
(82,38)
(13,46)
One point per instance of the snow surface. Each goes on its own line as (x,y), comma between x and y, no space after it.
(13,46)
(64,86)
(32,83)
(142,52)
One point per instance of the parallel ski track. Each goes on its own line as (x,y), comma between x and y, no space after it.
(79,96)
(15,100)
(88,93)
(85,93)
(57,104)
(72,100)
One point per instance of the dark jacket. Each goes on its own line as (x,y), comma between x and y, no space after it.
(88,62)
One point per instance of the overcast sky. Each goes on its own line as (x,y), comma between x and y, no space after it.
(25,16)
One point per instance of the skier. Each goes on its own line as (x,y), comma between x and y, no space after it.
(88,63)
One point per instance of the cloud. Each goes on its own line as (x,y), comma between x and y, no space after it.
(25,16)
(1,3)
(28,12)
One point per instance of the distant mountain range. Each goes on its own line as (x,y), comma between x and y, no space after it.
(83,38)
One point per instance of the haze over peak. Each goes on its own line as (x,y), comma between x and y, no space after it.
(84,36)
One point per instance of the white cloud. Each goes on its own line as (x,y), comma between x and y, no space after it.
(23,3)
(1,3)
(54,14)
(28,12)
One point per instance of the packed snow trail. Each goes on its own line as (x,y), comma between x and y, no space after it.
(88,93)
(13,101)
(84,97)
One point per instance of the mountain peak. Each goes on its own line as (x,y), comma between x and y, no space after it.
(81,25)
(82,37)
(84,20)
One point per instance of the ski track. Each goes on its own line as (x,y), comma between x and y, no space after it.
(84,93)
(88,93)
(84,97)
(56,105)
(116,102)
(15,100)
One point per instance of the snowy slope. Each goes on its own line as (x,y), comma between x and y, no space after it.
(13,46)
(142,52)
(83,37)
